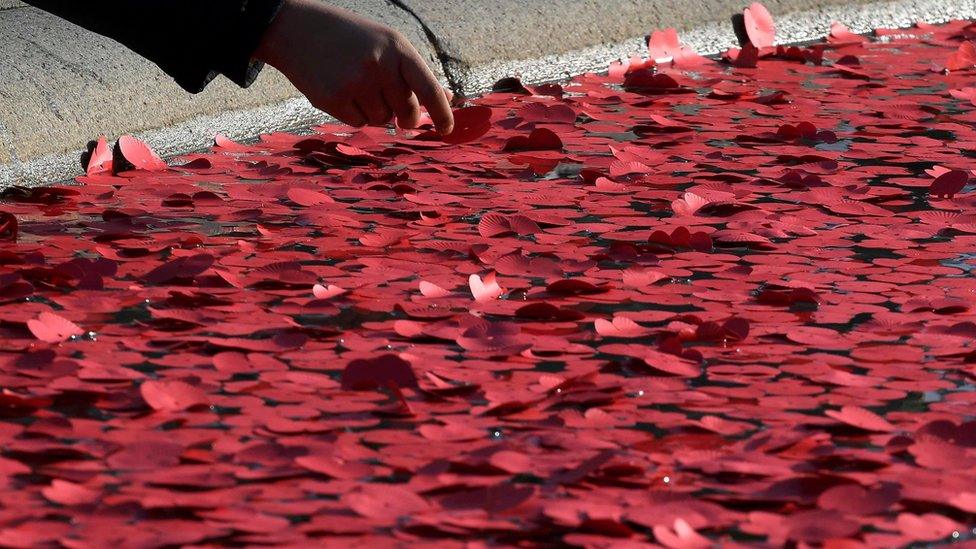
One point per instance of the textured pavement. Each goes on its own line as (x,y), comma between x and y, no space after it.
(63,86)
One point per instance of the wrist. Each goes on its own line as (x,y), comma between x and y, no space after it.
(275,36)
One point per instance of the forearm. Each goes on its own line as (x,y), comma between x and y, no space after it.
(191,40)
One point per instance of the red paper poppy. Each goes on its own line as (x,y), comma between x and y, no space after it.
(134,154)
(470,123)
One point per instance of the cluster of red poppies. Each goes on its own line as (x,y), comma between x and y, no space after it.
(691,301)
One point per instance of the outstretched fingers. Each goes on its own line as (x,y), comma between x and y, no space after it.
(374,107)
(400,97)
(429,92)
(348,112)
(406,107)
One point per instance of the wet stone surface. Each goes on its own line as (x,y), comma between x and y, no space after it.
(722,301)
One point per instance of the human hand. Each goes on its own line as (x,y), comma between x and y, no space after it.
(359,71)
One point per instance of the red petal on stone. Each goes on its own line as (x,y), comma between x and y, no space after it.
(494,224)
(949,184)
(541,139)
(470,123)
(138,155)
(484,290)
(759,26)
(326,292)
(171,396)
(963,58)
(681,536)
(747,57)
(452,432)
(861,418)
(53,328)
(431,290)
(334,467)
(100,159)
(853,499)
(181,267)
(385,502)
(308,197)
(927,527)
(672,364)
(377,373)
(549,114)
(620,327)
(68,493)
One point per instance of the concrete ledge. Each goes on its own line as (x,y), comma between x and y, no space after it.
(61,86)
(712,35)
(475,33)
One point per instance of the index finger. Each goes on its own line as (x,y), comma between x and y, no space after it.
(424,84)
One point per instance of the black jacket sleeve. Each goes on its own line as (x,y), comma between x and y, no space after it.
(191,40)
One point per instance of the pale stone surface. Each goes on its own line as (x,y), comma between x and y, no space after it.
(61,86)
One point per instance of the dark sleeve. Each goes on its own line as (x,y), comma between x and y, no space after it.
(191,40)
